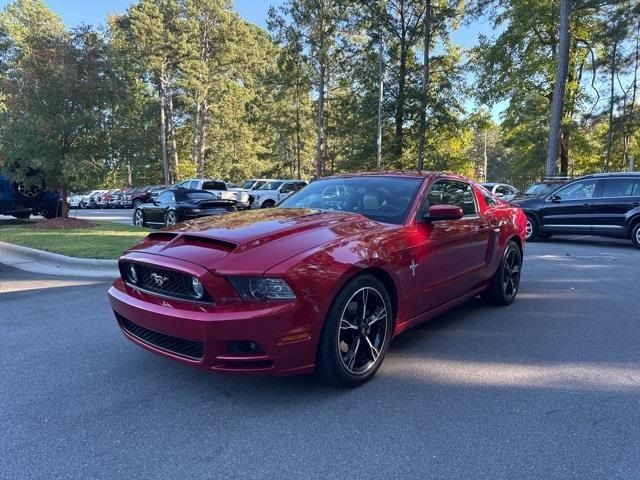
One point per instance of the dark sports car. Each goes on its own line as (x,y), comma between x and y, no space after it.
(177,205)
(322,282)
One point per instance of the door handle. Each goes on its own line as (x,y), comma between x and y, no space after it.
(635,204)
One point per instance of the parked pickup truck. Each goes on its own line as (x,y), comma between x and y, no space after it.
(218,188)
(275,191)
(21,200)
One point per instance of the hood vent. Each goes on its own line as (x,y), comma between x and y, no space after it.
(207,242)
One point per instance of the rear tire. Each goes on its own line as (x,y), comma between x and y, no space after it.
(635,234)
(356,333)
(506,281)
(170,219)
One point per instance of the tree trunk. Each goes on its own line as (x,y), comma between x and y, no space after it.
(196,129)
(557,106)
(425,84)
(172,137)
(202,136)
(399,116)
(320,122)
(298,129)
(380,100)
(564,152)
(163,129)
(63,210)
(614,52)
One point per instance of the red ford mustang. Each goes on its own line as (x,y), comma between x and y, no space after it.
(323,282)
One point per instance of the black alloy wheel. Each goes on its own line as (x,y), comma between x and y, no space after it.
(356,333)
(505,283)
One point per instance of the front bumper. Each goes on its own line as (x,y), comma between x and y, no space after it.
(204,335)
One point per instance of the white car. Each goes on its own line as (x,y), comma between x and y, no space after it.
(501,190)
(218,188)
(274,192)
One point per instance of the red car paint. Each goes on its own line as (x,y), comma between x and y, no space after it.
(316,253)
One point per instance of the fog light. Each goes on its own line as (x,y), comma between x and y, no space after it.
(132,273)
(198,289)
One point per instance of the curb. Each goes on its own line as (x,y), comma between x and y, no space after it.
(45,263)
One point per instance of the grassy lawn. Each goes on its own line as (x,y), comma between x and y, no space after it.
(105,240)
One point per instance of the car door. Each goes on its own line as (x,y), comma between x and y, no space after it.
(156,211)
(618,197)
(456,257)
(570,209)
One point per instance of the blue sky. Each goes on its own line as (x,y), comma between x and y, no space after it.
(94,12)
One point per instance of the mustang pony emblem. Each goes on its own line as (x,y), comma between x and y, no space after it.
(413,267)
(159,279)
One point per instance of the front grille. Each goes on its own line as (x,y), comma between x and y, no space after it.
(168,283)
(179,346)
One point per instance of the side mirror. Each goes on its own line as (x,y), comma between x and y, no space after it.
(555,198)
(443,212)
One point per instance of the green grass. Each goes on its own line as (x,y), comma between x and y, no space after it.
(105,240)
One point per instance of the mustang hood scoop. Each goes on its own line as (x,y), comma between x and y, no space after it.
(252,242)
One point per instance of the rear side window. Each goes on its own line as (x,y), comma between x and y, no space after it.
(619,187)
(636,190)
(214,186)
(166,197)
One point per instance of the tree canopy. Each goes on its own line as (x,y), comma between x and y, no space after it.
(176,88)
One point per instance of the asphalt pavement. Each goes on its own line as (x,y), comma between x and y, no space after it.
(546,388)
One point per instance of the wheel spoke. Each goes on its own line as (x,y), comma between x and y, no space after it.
(365,298)
(346,325)
(375,353)
(380,316)
(353,353)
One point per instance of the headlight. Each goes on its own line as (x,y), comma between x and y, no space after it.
(198,289)
(258,288)
(132,273)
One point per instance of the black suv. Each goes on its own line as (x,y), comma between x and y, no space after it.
(606,204)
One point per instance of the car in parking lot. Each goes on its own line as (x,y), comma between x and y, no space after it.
(606,204)
(501,190)
(219,188)
(177,205)
(542,188)
(298,289)
(274,191)
(21,199)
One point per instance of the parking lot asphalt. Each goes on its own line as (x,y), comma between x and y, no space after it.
(546,388)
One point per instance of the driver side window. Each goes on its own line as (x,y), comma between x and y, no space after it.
(166,197)
(451,192)
(578,190)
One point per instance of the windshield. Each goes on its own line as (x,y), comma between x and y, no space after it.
(271,186)
(540,189)
(384,199)
(248,184)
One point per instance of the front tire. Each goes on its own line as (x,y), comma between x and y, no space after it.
(635,234)
(356,333)
(268,204)
(138,218)
(506,281)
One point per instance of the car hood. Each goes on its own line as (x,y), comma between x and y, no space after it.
(254,241)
